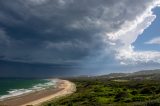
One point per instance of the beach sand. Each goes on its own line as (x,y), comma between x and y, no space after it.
(63,88)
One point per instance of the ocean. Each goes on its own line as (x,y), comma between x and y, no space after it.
(10,87)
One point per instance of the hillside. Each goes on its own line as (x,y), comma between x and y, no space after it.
(134,89)
(143,73)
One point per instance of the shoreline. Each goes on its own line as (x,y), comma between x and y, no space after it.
(62,88)
(30,92)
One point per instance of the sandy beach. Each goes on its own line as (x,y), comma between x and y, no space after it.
(63,88)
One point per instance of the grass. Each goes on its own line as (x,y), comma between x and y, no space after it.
(120,80)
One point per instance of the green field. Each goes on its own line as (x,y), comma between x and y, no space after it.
(111,92)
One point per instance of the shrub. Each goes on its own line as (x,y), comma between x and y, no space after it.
(134,92)
(146,91)
(139,98)
(121,95)
(153,103)
(103,100)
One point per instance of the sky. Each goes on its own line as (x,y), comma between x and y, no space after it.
(86,36)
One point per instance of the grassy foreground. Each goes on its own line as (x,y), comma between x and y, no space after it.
(111,92)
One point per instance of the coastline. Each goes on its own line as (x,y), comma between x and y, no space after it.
(63,87)
(18,92)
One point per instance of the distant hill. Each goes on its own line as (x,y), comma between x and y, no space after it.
(115,75)
(144,74)
(147,72)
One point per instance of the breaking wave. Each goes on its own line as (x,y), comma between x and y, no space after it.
(37,87)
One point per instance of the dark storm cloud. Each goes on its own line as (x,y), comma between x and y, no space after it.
(60,31)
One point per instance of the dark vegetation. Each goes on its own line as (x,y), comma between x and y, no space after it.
(122,91)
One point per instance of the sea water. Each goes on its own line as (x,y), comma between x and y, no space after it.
(10,87)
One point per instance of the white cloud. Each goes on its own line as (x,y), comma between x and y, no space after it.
(129,56)
(154,41)
(128,34)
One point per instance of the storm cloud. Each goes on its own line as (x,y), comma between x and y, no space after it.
(74,31)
